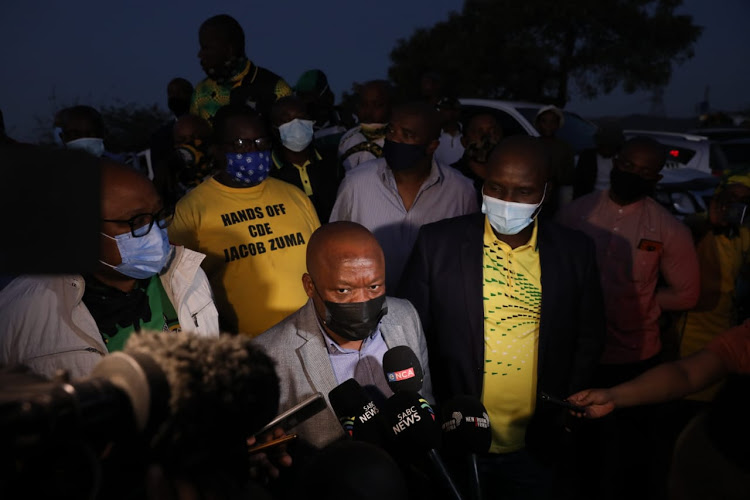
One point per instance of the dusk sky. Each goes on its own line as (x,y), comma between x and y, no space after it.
(96,52)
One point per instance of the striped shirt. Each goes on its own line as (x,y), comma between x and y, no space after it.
(369,196)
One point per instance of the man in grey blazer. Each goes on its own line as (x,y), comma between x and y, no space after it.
(343,330)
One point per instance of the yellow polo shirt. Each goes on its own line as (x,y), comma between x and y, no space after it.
(512,292)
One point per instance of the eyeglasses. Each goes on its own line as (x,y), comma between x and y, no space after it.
(141,224)
(246,145)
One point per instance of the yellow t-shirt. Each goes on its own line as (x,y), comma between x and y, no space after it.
(721,261)
(512,291)
(255,241)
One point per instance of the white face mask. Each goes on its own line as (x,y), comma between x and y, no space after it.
(93,145)
(297,134)
(507,217)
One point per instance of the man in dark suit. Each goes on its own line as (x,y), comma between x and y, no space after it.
(512,309)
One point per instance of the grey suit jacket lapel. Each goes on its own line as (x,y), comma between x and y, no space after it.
(313,352)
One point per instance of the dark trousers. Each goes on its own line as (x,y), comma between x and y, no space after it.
(627,453)
(507,476)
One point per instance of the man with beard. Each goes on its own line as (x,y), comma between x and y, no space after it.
(231,76)
(648,264)
(482,134)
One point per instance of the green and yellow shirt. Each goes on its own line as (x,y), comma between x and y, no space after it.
(512,294)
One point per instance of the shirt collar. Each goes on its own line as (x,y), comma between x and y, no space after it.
(279,163)
(610,205)
(533,243)
(435,176)
(334,348)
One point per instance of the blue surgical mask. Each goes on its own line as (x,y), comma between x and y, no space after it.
(507,217)
(249,168)
(142,257)
(297,134)
(93,145)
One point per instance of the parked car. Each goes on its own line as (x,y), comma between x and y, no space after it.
(687,150)
(692,172)
(517,117)
(721,133)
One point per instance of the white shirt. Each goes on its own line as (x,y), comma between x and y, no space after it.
(450,150)
(603,168)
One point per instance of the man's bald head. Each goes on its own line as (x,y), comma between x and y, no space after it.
(520,152)
(345,265)
(336,242)
(124,189)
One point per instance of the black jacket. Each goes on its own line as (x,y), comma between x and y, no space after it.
(443,279)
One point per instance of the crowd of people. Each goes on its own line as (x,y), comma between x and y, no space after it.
(538,280)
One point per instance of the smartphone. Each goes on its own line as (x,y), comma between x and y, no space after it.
(296,414)
(559,402)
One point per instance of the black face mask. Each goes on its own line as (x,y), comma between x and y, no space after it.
(628,186)
(401,156)
(355,320)
(178,106)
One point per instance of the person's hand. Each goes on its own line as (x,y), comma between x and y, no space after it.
(597,402)
(267,463)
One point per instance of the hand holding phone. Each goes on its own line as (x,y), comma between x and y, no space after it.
(562,403)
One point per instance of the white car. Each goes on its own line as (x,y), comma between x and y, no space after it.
(694,164)
(684,150)
(517,117)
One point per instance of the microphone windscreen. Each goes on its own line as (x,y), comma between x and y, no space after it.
(220,387)
(466,426)
(357,412)
(402,369)
(412,422)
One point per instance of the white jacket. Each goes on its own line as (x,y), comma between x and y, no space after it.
(45,325)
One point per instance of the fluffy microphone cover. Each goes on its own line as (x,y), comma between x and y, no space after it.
(222,390)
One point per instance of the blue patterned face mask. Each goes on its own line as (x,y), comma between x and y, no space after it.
(93,145)
(144,256)
(249,168)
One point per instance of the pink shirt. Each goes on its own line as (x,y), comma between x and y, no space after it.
(635,244)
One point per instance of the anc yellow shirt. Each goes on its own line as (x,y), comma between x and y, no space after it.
(721,262)
(512,292)
(255,241)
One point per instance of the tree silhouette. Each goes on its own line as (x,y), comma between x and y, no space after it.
(540,49)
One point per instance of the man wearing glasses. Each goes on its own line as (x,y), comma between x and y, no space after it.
(252,228)
(648,264)
(68,322)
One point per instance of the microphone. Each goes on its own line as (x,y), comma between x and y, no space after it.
(466,432)
(357,413)
(402,369)
(185,395)
(415,430)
